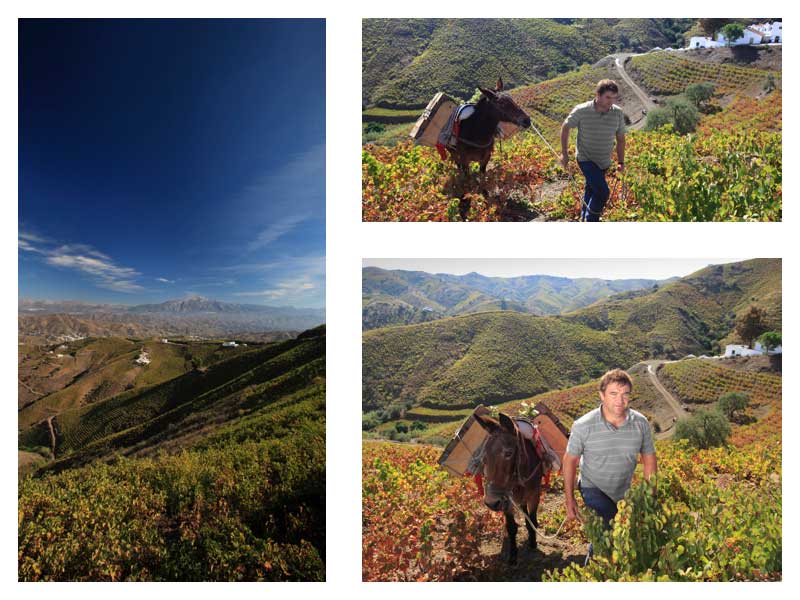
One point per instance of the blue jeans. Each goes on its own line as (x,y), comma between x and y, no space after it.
(595,193)
(600,503)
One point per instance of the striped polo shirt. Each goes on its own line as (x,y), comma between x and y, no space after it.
(609,454)
(596,132)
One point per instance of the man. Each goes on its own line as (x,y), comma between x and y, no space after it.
(599,122)
(607,442)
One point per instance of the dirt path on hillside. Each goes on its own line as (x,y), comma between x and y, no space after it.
(669,398)
(647,103)
(52,436)
(30,389)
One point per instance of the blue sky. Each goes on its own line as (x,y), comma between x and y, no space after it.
(160,159)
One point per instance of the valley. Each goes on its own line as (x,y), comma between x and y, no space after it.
(721,501)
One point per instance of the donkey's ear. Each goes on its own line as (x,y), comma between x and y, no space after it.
(488,423)
(507,424)
(499,85)
(487,92)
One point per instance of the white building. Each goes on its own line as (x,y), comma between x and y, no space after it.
(760,33)
(229,344)
(144,358)
(771,32)
(740,350)
(703,42)
(732,350)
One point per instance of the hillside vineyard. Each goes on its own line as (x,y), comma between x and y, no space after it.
(720,161)
(210,468)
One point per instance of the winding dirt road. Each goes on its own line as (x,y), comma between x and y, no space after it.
(669,398)
(647,103)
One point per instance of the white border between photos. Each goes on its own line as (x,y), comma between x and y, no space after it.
(348,241)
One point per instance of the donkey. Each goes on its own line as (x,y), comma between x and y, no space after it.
(512,469)
(475,141)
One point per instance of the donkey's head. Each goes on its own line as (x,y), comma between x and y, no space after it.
(503,107)
(499,460)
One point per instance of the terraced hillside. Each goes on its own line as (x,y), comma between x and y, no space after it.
(702,381)
(667,74)
(494,357)
(406,61)
(438,425)
(218,474)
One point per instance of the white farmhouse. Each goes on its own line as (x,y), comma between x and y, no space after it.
(772,32)
(732,350)
(740,350)
(759,33)
(703,42)
(144,358)
(229,344)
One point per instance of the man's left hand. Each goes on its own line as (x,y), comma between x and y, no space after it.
(620,167)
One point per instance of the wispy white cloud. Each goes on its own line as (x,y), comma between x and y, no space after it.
(283,289)
(31,237)
(311,264)
(30,242)
(165,280)
(277,230)
(99,267)
(286,198)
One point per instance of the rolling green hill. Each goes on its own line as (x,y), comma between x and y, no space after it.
(406,61)
(695,314)
(501,356)
(216,474)
(87,371)
(486,357)
(405,297)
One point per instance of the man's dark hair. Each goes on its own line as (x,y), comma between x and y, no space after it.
(616,376)
(606,85)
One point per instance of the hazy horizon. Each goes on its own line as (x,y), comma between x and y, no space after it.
(571,268)
(196,296)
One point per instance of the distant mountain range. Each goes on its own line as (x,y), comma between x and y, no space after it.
(399,297)
(499,356)
(196,315)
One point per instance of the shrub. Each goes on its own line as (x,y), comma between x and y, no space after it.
(685,116)
(770,340)
(373,127)
(704,429)
(732,402)
(370,420)
(658,118)
(699,93)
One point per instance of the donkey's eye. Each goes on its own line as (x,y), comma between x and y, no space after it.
(508,454)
